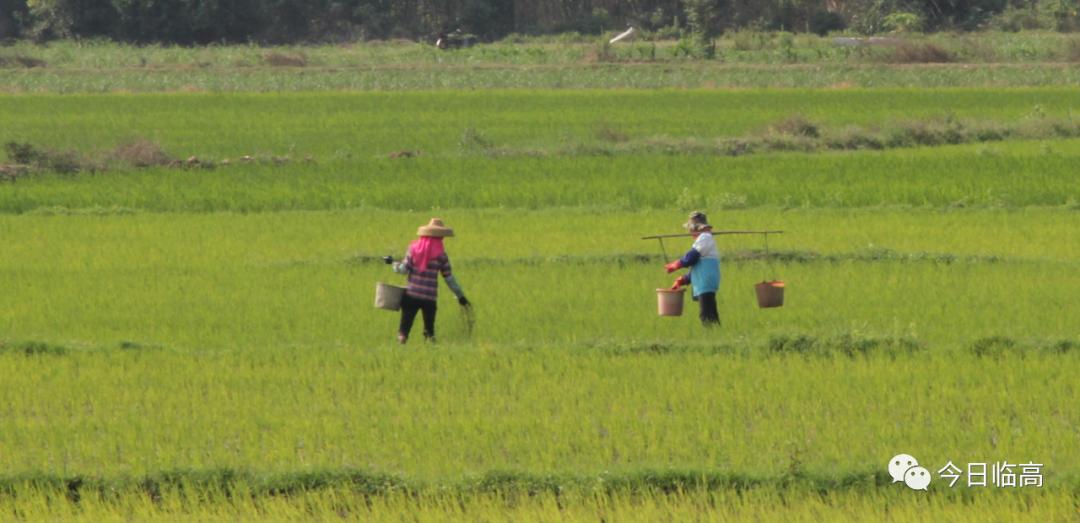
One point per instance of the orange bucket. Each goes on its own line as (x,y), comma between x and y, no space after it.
(669,302)
(770,294)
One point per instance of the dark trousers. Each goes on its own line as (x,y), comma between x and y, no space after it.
(409,307)
(709,315)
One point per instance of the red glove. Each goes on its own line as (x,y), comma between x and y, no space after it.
(673,266)
(679,282)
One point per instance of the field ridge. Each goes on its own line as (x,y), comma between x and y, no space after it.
(235,482)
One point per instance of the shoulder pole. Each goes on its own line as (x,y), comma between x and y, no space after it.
(715,233)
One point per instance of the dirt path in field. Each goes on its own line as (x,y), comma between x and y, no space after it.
(547,67)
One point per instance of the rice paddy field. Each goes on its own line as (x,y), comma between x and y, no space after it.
(187,330)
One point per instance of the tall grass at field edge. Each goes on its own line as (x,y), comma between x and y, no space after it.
(231,482)
(786,344)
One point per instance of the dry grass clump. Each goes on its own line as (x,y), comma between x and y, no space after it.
(607,132)
(1072,50)
(276,59)
(798,134)
(920,53)
(796,125)
(141,153)
(21,61)
(12,172)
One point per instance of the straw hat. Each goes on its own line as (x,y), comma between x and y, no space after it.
(698,222)
(435,228)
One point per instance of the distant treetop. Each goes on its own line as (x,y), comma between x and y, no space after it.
(309,21)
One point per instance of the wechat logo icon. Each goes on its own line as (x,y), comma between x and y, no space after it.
(905,468)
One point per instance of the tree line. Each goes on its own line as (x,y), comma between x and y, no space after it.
(310,21)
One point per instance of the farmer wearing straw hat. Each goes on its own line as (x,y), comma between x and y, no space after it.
(703,259)
(424,261)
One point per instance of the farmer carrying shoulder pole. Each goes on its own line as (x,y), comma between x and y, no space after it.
(424,261)
(703,259)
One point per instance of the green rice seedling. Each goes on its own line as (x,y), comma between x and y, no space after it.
(514,419)
(203,343)
(313,164)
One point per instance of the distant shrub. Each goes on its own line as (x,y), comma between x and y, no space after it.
(695,46)
(902,22)
(65,162)
(1016,19)
(1066,17)
(22,153)
(824,22)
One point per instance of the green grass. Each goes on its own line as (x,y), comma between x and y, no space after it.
(441,414)
(225,280)
(335,126)
(587,76)
(1012,175)
(200,344)
(348,138)
(344,503)
(739,47)
(746,59)
(247,342)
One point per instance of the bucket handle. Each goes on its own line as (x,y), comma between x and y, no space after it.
(771,269)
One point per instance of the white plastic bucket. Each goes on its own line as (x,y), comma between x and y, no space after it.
(388,296)
(669,302)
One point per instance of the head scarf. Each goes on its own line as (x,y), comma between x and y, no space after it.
(425,249)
